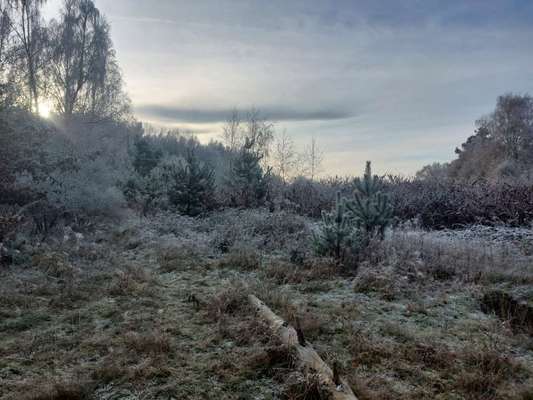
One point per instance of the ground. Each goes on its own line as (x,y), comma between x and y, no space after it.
(155,308)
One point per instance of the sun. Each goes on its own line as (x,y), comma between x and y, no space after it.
(45,109)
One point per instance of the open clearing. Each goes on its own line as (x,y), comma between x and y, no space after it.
(155,308)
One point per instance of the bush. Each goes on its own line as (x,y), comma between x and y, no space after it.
(335,236)
(447,204)
(192,189)
(91,187)
(185,184)
(349,229)
(247,185)
(370,208)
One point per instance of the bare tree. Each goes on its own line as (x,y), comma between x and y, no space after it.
(260,132)
(231,132)
(284,157)
(312,160)
(28,28)
(5,31)
(5,50)
(254,128)
(84,75)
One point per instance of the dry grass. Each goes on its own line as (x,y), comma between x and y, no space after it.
(313,269)
(132,280)
(304,387)
(454,259)
(229,301)
(155,321)
(180,258)
(242,258)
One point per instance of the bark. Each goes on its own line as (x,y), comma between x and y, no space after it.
(308,359)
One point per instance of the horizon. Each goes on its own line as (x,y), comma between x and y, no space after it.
(401,85)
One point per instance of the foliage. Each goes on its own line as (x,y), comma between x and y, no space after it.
(83,74)
(248,183)
(22,140)
(448,204)
(69,62)
(370,208)
(145,157)
(335,236)
(192,188)
(88,187)
(349,229)
(502,146)
(187,184)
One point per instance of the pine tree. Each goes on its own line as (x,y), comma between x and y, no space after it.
(347,230)
(370,208)
(145,157)
(336,232)
(248,182)
(192,186)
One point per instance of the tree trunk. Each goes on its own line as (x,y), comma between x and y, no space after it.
(308,359)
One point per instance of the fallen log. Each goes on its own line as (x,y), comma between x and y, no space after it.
(308,359)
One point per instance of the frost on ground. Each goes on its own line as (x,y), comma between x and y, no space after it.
(156,308)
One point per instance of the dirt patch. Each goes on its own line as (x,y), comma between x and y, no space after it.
(518,314)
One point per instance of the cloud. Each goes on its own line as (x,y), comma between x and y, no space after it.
(400,83)
(213,115)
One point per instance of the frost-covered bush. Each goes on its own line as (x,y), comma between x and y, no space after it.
(273,232)
(22,140)
(80,169)
(309,197)
(90,188)
(448,204)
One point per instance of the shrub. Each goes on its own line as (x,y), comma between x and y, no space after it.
(350,228)
(185,184)
(88,187)
(370,208)
(441,204)
(192,188)
(145,157)
(248,183)
(335,236)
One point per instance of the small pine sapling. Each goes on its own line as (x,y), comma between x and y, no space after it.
(347,230)
(335,233)
(370,208)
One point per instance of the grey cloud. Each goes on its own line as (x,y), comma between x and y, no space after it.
(212,115)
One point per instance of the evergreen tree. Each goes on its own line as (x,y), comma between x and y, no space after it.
(145,157)
(248,182)
(335,235)
(192,186)
(370,208)
(348,229)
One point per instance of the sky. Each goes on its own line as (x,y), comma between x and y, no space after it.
(398,82)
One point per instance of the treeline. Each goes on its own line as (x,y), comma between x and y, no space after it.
(93,158)
(501,149)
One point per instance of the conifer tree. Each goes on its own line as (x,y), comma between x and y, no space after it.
(335,235)
(370,208)
(145,157)
(248,182)
(348,229)
(193,185)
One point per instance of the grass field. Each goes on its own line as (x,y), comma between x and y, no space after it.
(156,308)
